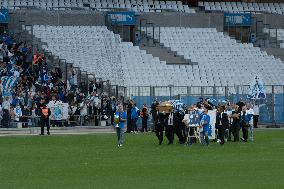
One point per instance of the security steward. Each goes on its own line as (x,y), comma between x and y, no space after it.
(44,113)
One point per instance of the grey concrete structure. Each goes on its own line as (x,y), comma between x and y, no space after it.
(197,20)
(277,52)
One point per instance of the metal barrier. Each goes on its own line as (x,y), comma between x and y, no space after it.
(73,120)
(271,108)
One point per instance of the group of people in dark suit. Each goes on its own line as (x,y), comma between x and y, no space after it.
(229,121)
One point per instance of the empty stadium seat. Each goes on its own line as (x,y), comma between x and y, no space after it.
(101,5)
(217,53)
(239,7)
(97,50)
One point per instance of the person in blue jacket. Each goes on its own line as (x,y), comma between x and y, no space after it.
(119,120)
(134,117)
(204,124)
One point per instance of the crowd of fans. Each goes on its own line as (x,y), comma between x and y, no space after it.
(29,80)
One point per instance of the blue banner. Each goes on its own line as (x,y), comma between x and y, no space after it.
(122,18)
(4,16)
(237,19)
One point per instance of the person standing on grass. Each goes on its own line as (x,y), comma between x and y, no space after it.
(162,122)
(144,116)
(222,122)
(44,113)
(119,120)
(255,115)
(236,115)
(204,125)
(169,129)
(250,112)
(135,113)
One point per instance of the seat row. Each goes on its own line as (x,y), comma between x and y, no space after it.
(240,59)
(101,5)
(237,7)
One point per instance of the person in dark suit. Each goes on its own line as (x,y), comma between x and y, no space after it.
(44,113)
(179,125)
(236,123)
(222,123)
(162,122)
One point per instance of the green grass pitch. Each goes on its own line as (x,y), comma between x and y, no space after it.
(95,162)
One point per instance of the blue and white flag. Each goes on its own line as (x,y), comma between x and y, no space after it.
(8,83)
(177,104)
(256,90)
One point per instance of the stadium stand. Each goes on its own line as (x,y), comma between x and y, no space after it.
(101,5)
(211,49)
(219,56)
(239,7)
(120,62)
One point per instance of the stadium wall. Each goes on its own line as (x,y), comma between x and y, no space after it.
(93,18)
(197,20)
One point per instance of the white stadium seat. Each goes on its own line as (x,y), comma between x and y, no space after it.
(234,7)
(215,52)
(102,5)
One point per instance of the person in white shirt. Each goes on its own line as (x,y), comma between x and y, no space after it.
(250,112)
(169,129)
(255,115)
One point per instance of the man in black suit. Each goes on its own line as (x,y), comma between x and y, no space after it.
(222,122)
(162,122)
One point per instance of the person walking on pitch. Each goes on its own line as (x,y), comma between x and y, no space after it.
(119,120)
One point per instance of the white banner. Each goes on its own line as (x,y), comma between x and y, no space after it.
(256,89)
(59,111)
(212,114)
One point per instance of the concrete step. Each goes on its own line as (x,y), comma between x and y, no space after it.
(164,55)
(157,49)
